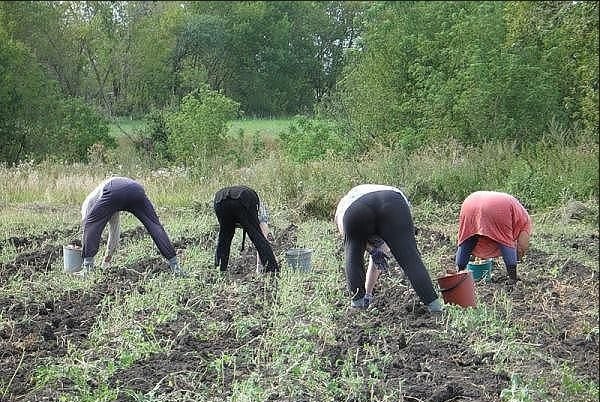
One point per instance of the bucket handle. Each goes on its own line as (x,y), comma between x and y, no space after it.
(455,285)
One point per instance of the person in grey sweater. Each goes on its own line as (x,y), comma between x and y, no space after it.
(103,206)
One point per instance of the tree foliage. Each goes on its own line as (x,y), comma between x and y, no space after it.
(396,73)
(128,57)
(472,70)
(198,128)
(36,120)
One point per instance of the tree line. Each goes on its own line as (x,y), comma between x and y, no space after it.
(399,73)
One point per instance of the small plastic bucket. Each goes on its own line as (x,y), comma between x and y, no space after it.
(72,258)
(299,259)
(458,288)
(481,270)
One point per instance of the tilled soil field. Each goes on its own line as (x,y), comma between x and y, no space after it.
(427,367)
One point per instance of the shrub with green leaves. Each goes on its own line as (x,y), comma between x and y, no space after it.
(475,71)
(310,139)
(199,127)
(27,102)
(153,136)
(80,128)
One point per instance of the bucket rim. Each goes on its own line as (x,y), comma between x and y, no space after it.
(480,263)
(298,250)
(464,274)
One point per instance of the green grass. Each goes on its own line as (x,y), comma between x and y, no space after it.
(130,126)
(302,318)
(264,127)
(304,312)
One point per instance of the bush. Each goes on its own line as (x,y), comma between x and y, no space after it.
(80,128)
(309,139)
(199,128)
(153,137)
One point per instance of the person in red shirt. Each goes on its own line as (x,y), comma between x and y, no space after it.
(493,224)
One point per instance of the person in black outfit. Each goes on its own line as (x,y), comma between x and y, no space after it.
(377,219)
(239,206)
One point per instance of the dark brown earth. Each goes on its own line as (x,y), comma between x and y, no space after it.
(428,366)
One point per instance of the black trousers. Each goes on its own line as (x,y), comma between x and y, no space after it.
(387,215)
(239,206)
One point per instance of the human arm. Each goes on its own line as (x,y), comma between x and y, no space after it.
(522,244)
(338,220)
(263,221)
(114,232)
(371,277)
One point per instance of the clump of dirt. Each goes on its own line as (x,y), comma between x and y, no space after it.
(285,239)
(428,238)
(33,241)
(587,244)
(193,352)
(36,330)
(242,263)
(28,264)
(552,307)
(429,367)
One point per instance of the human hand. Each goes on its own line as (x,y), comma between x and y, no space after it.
(177,271)
(106,261)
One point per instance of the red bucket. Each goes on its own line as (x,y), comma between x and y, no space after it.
(458,288)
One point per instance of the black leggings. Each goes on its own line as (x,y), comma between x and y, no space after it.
(387,215)
(242,211)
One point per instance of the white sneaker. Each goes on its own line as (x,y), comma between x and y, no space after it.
(363,302)
(435,306)
(87,269)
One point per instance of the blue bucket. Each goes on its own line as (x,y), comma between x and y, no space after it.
(481,270)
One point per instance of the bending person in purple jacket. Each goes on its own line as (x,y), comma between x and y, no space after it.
(377,219)
(103,206)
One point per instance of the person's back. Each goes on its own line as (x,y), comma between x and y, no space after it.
(103,206)
(239,206)
(491,224)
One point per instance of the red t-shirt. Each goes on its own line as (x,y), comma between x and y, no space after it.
(496,217)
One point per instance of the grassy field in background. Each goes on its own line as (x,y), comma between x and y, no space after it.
(263,127)
(126,124)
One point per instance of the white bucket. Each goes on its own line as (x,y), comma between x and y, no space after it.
(72,258)
(299,259)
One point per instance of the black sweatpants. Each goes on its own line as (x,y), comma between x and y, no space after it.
(239,206)
(123,194)
(385,214)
